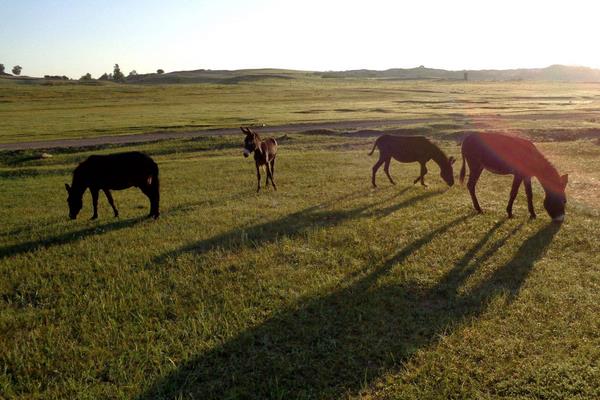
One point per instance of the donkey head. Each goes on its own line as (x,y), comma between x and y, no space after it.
(250,141)
(75,201)
(556,199)
(447,172)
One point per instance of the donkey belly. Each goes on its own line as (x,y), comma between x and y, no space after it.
(498,166)
(121,182)
(406,158)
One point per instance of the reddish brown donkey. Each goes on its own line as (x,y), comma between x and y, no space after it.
(508,155)
(265,152)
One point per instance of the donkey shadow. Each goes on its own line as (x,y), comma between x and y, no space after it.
(294,224)
(76,235)
(338,343)
(67,237)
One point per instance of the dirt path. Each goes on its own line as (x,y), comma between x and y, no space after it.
(288,128)
(163,135)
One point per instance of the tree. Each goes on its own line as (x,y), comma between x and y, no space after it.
(86,77)
(17,70)
(117,74)
(1,68)
(105,77)
(132,73)
(160,71)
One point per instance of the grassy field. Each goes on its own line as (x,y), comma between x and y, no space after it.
(34,110)
(326,288)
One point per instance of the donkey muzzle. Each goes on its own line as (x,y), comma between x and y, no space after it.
(560,218)
(246,152)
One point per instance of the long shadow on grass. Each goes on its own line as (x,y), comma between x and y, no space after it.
(67,237)
(338,343)
(72,236)
(294,224)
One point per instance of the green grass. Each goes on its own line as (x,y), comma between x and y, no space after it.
(324,289)
(34,111)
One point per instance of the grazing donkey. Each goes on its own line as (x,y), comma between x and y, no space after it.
(264,154)
(411,149)
(509,155)
(115,171)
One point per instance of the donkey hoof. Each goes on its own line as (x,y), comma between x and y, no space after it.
(93,217)
(532,216)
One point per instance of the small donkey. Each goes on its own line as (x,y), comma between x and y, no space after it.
(264,154)
(408,149)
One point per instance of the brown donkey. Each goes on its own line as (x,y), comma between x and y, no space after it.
(411,149)
(264,154)
(509,155)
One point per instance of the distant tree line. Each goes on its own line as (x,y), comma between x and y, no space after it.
(117,75)
(16,70)
(56,77)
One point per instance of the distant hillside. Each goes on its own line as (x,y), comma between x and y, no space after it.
(559,73)
(551,73)
(215,76)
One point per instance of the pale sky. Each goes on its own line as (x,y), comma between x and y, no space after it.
(72,37)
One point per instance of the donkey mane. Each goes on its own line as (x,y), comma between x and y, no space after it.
(438,156)
(548,174)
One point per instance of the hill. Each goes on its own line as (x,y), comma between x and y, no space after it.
(551,73)
(215,76)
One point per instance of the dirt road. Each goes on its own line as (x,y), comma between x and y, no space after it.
(483,119)
(155,136)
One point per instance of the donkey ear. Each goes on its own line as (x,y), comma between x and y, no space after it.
(243,129)
(564,180)
(451,160)
(68,188)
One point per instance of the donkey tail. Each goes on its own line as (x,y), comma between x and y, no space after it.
(374,145)
(463,169)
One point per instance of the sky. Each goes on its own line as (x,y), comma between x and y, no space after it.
(69,37)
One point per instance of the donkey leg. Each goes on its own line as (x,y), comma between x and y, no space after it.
(375,168)
(529,192)
(258,177)
(94,193)
(423,173)
(111,201)
(513,194)
(270,176)
(386,169)
(473,178)
(272,168)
